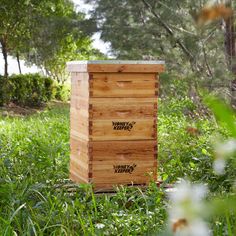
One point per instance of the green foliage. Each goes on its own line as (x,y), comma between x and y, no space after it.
(30,89)
(47,33)
(4,90)
(27,90)
(223,113)
(58,35)
(62,92)
(166,30)
(223,210)
(35,197)
(190,155)
(70,49)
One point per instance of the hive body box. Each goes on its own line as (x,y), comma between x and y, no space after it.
(113,132)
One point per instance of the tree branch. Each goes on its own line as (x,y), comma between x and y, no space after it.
(206,62)
(170,32)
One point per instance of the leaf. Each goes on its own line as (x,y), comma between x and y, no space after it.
(223,113)
(223,205)
(204,151)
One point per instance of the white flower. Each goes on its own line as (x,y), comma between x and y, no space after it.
(192,228)
(226,148)
(186,209)
(219,166)
(222,151)
(99,226)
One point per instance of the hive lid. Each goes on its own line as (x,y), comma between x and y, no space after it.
(116,66)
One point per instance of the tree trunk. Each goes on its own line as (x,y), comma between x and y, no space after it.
(4,53)
(230,50)
(18,61)
(230,43)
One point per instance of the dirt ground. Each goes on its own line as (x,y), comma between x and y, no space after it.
(13,110)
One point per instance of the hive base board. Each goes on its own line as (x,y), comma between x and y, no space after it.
(114,189)
(71,187)
(103,188)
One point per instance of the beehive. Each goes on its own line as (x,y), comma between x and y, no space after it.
(113,122)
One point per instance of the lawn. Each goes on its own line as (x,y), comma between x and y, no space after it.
(36,197)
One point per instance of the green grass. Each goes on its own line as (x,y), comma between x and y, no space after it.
(36,199)
(34,157)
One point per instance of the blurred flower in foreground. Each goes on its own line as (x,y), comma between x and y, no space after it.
(99,226)
(222,151)
(186,210)
(213,11)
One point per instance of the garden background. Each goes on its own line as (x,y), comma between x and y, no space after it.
(196,120)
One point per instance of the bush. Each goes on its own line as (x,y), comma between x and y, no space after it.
(26,90)
(62,92)
(31,89)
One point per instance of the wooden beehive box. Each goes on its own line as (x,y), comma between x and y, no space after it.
(113,129)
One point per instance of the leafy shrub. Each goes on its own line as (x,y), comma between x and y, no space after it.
(173,85)
(5,96)
(62,92)
(26,90)
(31,89)
(190,153)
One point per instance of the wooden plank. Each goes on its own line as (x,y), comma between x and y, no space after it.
(80,160)
(125,85)
(80,85)
(79,118)
(106,165)
(124,68)
(112,110)
(135,129)
(110,188)
(81,126)
(78,147)
(117,172)
(79,113)
(122,101)
(81,134)
(79,102)
(116,66)
(75,76)
(123,150)
(76,167)
(76,67)
(121,181)
(74,176)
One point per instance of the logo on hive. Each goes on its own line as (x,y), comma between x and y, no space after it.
(123,125)
(124,168)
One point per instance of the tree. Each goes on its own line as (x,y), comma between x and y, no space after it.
(57,38)
(39,31)
(167,30)
(71,49)
(230,52)
(12,22)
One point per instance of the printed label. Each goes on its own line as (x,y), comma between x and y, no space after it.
(123,125)
(124,168)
